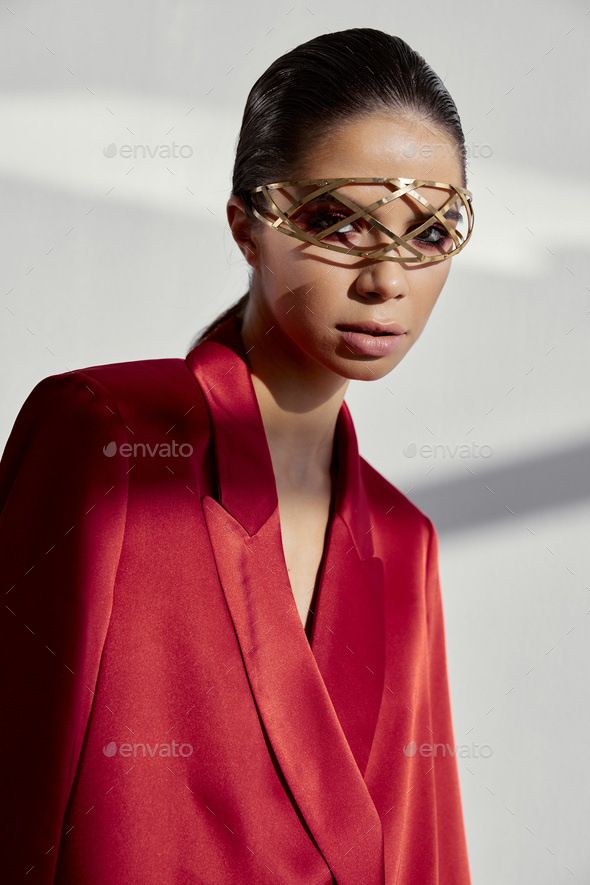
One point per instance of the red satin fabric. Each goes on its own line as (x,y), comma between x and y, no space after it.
(147,601)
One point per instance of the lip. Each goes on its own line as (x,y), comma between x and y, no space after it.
(374,328)
(372,339)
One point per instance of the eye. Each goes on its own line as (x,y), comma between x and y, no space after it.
(317,220)
(325,220)
(435,236)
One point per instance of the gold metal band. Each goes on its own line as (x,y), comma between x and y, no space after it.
(404,187)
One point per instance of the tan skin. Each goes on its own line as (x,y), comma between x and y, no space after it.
(299,365)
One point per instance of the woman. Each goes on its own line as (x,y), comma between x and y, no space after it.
(224,634)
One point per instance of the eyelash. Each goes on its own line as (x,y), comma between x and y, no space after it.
(327,218)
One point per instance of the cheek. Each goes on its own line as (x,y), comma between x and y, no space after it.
(295,302)
(429,289)
(302,294)
(307,322)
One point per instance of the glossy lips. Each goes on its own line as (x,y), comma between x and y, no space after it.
(372,339)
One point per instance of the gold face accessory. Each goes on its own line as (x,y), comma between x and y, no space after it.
(321,213)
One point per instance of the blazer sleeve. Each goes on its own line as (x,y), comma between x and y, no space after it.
(452,847)
(63,501)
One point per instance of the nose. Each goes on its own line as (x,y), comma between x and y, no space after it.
(382,279)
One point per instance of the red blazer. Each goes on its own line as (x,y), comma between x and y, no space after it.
(166,718)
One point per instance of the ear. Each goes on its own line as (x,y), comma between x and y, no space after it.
(242,231)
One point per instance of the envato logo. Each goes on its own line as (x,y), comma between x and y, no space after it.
(148,152)
(471,751)
(164,750)
(434,151)
(467,450)
(163,450)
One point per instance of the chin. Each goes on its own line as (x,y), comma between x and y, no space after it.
(366,370)
(369,368)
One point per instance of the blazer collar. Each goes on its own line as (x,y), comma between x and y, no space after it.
(247,486)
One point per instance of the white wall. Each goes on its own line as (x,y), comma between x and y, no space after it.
(108,259)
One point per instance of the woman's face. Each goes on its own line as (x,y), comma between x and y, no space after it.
(301,294)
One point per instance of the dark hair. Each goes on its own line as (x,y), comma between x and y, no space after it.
(321,84)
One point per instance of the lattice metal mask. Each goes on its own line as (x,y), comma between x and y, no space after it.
(434,235)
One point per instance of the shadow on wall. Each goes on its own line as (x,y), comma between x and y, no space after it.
(539,483)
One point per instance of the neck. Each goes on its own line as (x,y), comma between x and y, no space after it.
(299,402)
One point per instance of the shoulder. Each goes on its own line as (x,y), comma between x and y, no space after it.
(120,379)
(392,511)
(107,402)
(111,392)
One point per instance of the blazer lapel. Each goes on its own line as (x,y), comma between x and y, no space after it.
(318,705)
(348,639)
